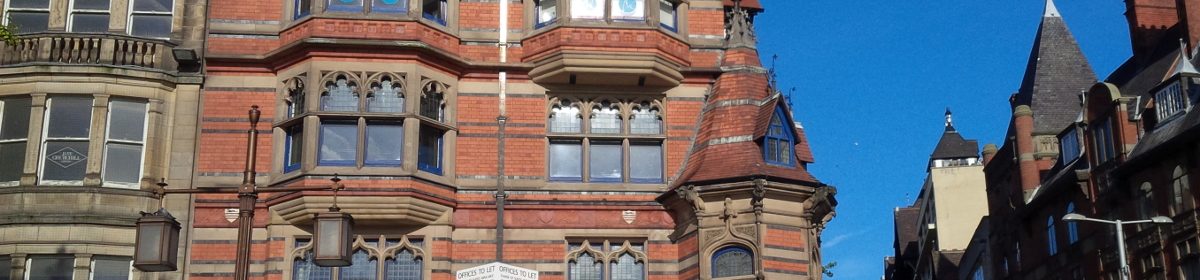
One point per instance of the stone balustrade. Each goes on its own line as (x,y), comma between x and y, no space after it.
(88,49)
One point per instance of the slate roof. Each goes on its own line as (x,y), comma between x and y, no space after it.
(1181,129)
(1055,75)
(907,232)
(952,145)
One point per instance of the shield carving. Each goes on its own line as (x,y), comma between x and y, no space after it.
(629,216)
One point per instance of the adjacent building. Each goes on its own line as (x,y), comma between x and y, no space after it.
(585,139)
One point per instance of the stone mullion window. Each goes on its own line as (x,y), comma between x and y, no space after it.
(606,260)
(384,258)
(90,16)
(29,16)
(605,146)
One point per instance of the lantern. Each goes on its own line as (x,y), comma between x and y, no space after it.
(331,238)
(157,244)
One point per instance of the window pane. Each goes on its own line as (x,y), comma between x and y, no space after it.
(645,163)
(429,152)
(645,121)
(345,5)
(432,105)
(5,268)
(123,163)
(155,26)
(15,121)
(51,268)
(339,142)
(362,267)
(628,9)
(303,8)
(65,160)
(386,96)
(626,267)
(589,9)
(666,14)
(732,261)
(110,268)
(29,4)
(14,160)
(585,267)
(307,270)
(389,6)
(91,5)
(565,118)
(29,22)
(565,160)
(340,96)
(90,23)
(385,143)
(547,11)
(69,117)
(434,10)
(405,266)
(295,147)
(152,6)
(605,162)
(126,120)
(606,119)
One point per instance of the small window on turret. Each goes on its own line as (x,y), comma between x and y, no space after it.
(779,144)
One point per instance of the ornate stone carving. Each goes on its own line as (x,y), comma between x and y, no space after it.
(688,193)
(713,234)
(748,231)
(739,27)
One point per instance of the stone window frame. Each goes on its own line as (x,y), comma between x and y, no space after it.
(651,18)
(59,14)
(308,122)
(72,11)
(83,264)
(585,137)
(4,17)
(381,252)
(608,254)
(724,248)
(413,12)
(97,138)
(133,12)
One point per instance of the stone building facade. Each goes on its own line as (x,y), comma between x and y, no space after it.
(618,139)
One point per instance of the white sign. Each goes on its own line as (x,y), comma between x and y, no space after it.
(496,271)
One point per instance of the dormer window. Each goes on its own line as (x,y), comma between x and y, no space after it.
(1102,141)
(779,141)
(1068,144)
(1170,101)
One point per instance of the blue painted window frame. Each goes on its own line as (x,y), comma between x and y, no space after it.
(1051,236)
(435,18)
(330,6)
(537,16)
(367,144)
(321,143)
(435,169)
(620,161)
(785,136)
(550,159)
(726,250)
(401,9)
(1072,226)
(292,132)
(300,13)
(675,18)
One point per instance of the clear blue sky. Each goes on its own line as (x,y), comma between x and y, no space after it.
(873,78)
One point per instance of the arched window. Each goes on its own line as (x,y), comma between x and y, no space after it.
(433,102)
(1181,199)
(732,261)
(605,118)
(1072,227)
(303,267)
(1051,239)
(362,266)
(627,267)
(565,117)
(779,142)
(585,267)
(645,120)
(295,96)
(341,95)
(404,265)
(1146,202)
(386,96)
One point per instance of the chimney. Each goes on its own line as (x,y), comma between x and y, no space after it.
(1149,21)
(989,152)
(1023,122)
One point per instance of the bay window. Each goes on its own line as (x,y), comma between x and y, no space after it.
(88,16)
(384,143)
(612,150)
(339,143)
(28,16)
(14,132)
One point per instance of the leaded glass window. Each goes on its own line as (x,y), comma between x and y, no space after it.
(65,144)
(303,267)
(627,267)
(89,16)
(1181,199)
(404,266)
(341,95)
(732,261)
(779,142)
(645,120)
(433,103)
(125,142)
(295,96)
(565,118)
(14,133)
(28,16)
(386,96)
(151,18)
(605,118)
(362,266)
(585,267)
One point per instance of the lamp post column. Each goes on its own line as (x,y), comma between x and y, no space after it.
(247,196)
(1124,270)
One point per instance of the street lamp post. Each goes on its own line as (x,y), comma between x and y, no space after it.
(158,232)
(1120,225)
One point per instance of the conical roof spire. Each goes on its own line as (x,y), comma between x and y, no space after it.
(1051,10)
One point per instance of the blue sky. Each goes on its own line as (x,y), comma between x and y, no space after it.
(873,77)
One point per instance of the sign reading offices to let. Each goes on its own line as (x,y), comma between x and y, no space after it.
(496,271)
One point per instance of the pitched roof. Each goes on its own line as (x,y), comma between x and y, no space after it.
(952,145)
(1055,75)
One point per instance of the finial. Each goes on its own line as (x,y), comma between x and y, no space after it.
(949,118)
(1184,64)
(1051,10)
